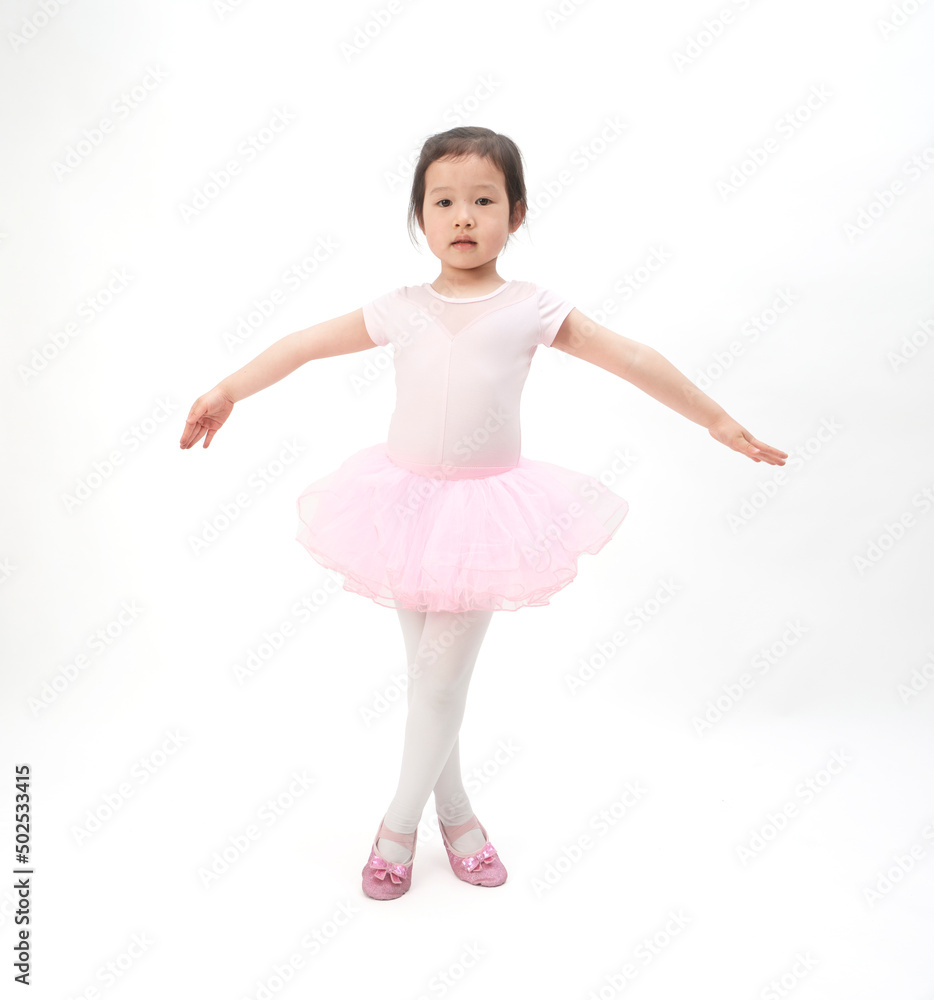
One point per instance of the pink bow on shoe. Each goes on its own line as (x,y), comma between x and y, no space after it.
(482,857)
(396,872)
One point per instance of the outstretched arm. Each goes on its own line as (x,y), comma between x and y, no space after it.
(342,335)
(650,371)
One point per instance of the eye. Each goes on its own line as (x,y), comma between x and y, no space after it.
(482,198)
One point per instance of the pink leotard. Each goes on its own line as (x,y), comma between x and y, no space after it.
(461,364)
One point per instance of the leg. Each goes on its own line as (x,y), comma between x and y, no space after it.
(443,664)
(451,801)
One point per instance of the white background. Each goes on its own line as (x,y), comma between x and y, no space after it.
(151,758)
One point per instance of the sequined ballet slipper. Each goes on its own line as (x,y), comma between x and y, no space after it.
(482,867)
(384,879)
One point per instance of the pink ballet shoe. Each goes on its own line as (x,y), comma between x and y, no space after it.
(384,879)
(483,867)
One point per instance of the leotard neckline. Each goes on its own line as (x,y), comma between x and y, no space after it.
(476,298)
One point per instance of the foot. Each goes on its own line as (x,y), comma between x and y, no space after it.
(395,847)
(478,866)
(466,842)
(384,878)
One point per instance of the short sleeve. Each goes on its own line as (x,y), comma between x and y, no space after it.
(377,316)
(552,310)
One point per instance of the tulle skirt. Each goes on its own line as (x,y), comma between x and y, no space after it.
(500,542)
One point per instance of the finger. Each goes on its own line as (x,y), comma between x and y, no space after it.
(190,427)
(767,449)
(194,438)
(196,412)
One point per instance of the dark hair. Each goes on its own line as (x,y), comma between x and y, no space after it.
(461,142)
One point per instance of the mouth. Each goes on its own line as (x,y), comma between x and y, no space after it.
(463,242)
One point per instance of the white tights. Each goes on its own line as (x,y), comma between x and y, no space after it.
(441,650)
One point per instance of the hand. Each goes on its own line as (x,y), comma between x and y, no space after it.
(727,431)
(206,416)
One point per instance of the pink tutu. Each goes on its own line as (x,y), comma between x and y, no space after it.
(497,542)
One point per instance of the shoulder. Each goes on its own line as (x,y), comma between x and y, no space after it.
(386,313)
(393,294)
(552,308)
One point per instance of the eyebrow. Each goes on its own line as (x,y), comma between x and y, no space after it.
(491,187)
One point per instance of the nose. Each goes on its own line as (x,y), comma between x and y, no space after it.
(464,216)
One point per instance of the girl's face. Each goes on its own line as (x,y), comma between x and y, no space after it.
(466,198)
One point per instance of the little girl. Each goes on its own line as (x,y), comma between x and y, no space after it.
(447,522)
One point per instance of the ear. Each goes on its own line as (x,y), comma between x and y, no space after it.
(518,217)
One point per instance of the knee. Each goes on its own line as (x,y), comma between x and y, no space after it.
(439,694)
